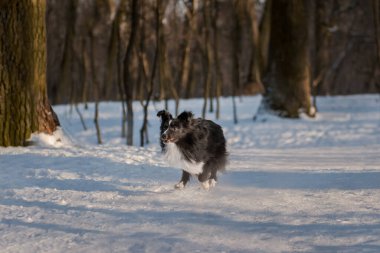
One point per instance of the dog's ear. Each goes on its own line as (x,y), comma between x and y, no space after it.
(164,115)
(185,116)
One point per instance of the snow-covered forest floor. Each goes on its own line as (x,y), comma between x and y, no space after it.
(307,185)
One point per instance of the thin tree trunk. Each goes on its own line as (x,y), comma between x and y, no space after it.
(264,38)
(86,68)
(184,75)
(236,52)
(80,116)
(151,81)
(376,17)
(254,84)
(323,37)
(218,77)
(193,19)
(121,12)
(165,73)
(96,92)
(65,79)
(128,82)
(209,57)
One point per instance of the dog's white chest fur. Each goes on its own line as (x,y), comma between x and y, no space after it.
(175,158)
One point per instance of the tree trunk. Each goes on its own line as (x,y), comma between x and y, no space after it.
(208,57)
(24,107)
(264,38)
(144,126)
(165,72)
(376,20)
(289,86)
(254,84)
(185,70)
(323,38)
(219,78)
(128,80)
(236,36)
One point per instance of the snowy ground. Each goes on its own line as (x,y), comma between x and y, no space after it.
(309,185)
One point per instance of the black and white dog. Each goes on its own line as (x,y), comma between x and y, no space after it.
(197,146)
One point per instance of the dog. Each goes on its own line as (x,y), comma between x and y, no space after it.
(195,145)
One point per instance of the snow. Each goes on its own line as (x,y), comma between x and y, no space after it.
(307,185)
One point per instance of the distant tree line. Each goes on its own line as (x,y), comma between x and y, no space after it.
(205,47)
(148,50)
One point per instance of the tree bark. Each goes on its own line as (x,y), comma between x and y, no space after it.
(165,72)
(144,126)
(236,36)
(288,90)
(376,20)
(209,55)
(253,84)
(24,106)
(128,80)
(264,38)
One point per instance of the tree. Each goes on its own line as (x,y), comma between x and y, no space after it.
(346,47)
(288,88)
(253,83)
(24,107)
(128,84)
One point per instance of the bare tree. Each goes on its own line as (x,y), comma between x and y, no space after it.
(236,33)
(167,87)
(349,28)
(208,55)
(376,19)
(219,76)
(144,126)
(265,37)
(253,84)
(24,106)
(187,26)
(128,80)
(288,90)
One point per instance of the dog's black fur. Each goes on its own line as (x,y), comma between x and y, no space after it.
(199,141)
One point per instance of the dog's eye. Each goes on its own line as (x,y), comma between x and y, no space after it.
(173,126)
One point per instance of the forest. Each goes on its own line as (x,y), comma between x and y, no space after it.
(127,50)
(290,95)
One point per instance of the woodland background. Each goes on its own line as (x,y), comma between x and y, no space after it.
(79,51)
(200,47)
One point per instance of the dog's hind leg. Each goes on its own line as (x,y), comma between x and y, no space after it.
(184,179)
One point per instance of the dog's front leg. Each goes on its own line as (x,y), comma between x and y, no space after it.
(184,179)
(207,178)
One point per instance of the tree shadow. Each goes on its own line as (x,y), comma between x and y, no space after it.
(305,232)
(82,173)
(304,180)
(40,171)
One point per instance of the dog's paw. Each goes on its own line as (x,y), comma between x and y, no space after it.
(179,186)
(212,183)
(208,184)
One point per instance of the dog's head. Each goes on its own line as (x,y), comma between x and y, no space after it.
(177,127)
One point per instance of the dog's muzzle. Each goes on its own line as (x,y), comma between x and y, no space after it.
(164,138)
